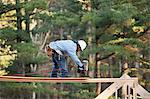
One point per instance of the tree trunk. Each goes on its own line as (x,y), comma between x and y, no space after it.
(96,66)
(61,30)
(97,74)
(19,20)
(18,14)
(110,67)
(27,20)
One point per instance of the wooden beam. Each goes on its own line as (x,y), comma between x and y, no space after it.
(61,80)
(142,92)
(40,79)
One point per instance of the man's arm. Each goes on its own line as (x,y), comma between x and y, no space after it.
(75,58)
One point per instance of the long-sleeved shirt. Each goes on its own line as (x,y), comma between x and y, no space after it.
(67,46)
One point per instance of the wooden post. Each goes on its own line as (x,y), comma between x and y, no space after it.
(116,94)
(129,92)
(134,91)
(97,74)
(124,91)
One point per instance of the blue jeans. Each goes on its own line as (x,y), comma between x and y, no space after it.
(59,66)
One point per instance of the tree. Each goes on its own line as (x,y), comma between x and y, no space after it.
(6,57)
(16,29)
(114,21)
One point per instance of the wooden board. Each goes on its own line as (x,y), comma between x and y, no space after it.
(61,80)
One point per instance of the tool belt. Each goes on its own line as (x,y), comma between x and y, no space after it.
(51,51)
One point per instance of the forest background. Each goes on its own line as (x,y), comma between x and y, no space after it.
(117,32)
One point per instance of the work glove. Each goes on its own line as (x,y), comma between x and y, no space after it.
(81,71)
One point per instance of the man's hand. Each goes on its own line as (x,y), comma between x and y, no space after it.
(81,71)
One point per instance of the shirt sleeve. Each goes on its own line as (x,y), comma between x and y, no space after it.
(75,58)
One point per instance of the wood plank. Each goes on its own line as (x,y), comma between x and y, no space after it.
(110,90)
(142,92)
(40,79)
(61,80)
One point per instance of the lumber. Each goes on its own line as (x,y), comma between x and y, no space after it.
(61,80)
(140,90)
(111,89)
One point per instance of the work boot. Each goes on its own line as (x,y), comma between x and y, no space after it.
(53,75)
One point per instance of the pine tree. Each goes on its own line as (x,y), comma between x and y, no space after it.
(6,57)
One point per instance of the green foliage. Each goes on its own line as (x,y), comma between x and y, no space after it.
(31,5)
(40,59)
(23,35)
(26,52)
(120,48)
(8,34)
(123,12)
(125,41)
(98,18)
(72,6)
(11,35)
(70,90)
(6,56)
(64,19)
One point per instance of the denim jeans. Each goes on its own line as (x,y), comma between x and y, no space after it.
(59,66)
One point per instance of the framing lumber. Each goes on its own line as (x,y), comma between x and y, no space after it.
(62,80)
